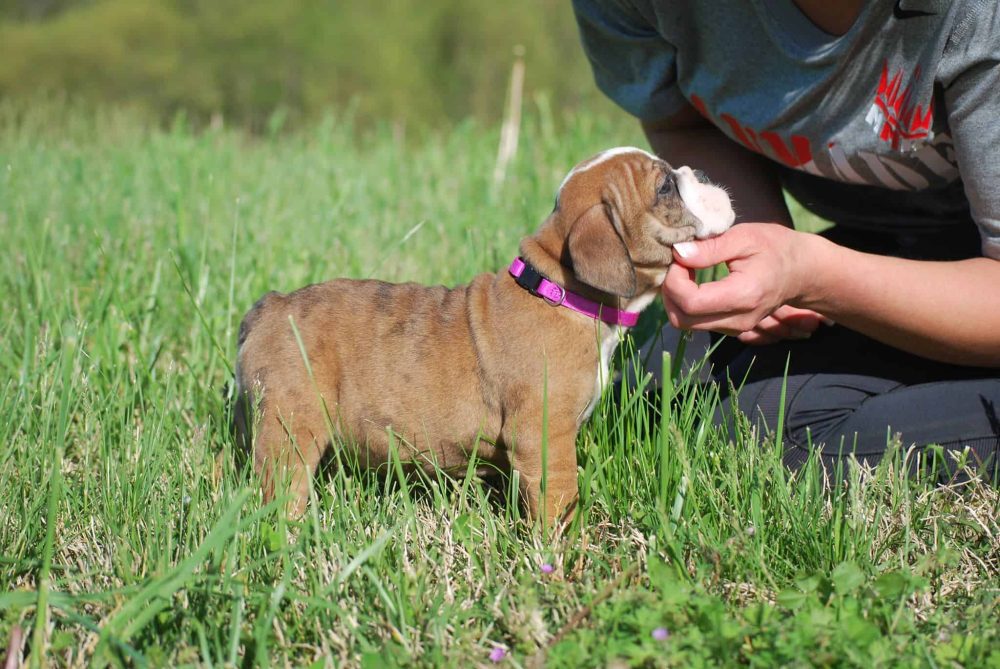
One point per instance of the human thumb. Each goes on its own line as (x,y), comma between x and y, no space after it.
(703,252)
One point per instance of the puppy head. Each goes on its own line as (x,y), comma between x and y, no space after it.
(622,211)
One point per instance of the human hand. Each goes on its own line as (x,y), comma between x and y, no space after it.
(768,272)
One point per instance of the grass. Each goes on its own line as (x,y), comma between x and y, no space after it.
(129,536)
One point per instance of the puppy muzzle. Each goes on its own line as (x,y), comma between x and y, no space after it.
(708,203)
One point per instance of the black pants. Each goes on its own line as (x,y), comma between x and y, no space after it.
(847,393)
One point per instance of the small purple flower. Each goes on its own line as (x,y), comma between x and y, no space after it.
(661,634)
(498,654)
(547,568)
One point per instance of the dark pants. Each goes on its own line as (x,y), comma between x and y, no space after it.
(846,393)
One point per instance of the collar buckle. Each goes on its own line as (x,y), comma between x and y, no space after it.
(529,279)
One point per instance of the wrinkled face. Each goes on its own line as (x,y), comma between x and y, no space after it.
(624,209)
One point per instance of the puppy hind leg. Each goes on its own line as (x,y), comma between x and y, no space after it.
(242,426)
(286,455)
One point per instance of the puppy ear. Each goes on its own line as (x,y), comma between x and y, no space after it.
(599,256)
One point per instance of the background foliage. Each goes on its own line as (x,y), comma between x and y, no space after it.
(426,62)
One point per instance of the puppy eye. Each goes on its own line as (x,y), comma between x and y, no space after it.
(668,186)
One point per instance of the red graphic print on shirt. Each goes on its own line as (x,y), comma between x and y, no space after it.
(795,153)
(918,158)
(894,116)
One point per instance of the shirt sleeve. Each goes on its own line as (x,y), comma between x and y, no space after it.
(972,98)
(632,63)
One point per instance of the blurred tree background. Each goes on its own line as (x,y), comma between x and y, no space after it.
(421,63)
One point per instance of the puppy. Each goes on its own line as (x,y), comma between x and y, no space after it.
(438,373)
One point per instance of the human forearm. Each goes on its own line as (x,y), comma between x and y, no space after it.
(948,311)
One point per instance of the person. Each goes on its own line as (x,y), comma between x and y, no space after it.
(880,116)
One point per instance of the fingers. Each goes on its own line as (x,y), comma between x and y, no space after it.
(731,324)
(772,329)
(731,305)
(800,319)
(734,243)
(754,338)
(683,297)
(780,329)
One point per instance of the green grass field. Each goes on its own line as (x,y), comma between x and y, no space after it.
(129,536)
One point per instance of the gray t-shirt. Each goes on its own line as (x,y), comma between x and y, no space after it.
(892,126)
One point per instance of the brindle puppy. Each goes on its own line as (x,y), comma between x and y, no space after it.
(449,371)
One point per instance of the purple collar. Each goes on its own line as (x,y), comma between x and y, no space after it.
(531,280)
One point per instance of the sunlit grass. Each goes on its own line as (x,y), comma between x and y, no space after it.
(128,534)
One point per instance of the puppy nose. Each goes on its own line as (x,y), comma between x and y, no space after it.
(701,177)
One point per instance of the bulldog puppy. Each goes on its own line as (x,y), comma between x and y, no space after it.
(439,373)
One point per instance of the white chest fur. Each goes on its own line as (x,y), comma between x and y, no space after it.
(610,338)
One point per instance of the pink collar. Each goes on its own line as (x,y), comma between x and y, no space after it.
(531,280)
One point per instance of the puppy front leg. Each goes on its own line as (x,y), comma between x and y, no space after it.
(549,500)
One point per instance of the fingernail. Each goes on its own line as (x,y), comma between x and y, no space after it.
(829,321)
(800,334)
(686,249)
